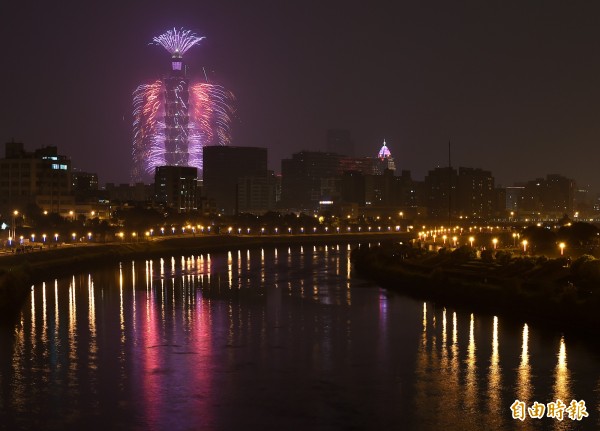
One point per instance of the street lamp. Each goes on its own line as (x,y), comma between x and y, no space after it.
(524,245)
(562,248)
(495,242)
(471,239)
(44,238)
(454,239)
(14,223)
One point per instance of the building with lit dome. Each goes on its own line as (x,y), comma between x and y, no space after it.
(384,160)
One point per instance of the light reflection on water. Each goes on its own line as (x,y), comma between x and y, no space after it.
(278,336)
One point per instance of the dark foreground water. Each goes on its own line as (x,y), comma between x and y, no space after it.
(275,339)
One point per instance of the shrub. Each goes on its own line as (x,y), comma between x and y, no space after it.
(503,257)
(463,253)
(590,271)
(579,262)
(487,256)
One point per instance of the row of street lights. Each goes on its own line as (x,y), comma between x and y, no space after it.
(524,243)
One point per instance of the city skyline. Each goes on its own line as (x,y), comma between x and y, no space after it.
(512,87)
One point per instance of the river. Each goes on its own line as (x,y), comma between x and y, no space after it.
(278,338)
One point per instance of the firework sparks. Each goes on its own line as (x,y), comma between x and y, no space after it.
(177,42)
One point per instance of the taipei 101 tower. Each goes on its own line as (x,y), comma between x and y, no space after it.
(177,98)
(175,117)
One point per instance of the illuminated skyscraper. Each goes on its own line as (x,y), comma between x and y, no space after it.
(177,100)
(384,160)
(175,117)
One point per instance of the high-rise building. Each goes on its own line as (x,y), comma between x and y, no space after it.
(384,160)
(84,185)
(552,196)
(224,166)
(42,177)
(440,193)
(176,187)
(301,179)
(175,117)
(513,198)
(475,193)
(256,194)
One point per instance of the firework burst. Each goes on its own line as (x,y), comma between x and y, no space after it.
(177,42)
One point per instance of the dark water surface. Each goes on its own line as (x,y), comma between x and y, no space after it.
(274,339)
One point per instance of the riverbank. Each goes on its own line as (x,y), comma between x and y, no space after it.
(534,289)
(19,271)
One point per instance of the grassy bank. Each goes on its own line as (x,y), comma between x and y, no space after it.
(19,271)
(535,289)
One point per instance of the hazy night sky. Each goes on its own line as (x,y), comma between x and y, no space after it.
(513,84)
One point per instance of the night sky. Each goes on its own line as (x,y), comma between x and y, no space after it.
(513,84)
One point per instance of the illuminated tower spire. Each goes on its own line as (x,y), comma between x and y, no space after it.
(384,160)
(177,96)
(384,153)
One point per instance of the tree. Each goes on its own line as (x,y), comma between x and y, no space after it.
(540,238)
(578,233)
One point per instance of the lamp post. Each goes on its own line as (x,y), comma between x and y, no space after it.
(14,223)
(562,248)
(524,246)
(495,242)
(471,239)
